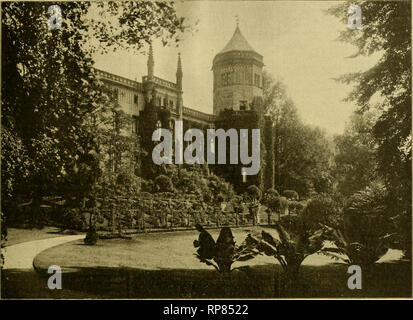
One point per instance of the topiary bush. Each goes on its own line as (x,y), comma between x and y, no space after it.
(91,236)
(254,196)
(296,207)
(271,200)
(290,194)
(323,209)
(254,193)
(163,183)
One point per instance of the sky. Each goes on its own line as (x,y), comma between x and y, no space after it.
(296,38)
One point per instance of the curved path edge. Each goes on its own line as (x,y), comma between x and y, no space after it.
(21,255)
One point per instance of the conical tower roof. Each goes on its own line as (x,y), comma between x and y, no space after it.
(237,43)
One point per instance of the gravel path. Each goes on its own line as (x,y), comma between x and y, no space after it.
(20,256)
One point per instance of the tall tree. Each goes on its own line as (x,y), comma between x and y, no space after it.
(355,159)
(386,31)
(302,153)
(50,89)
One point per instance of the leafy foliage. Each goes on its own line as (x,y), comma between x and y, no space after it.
(386,32)
(294,242)
(290,194)
(163,184)
(50,82)
(254,193)
(253,198)
(3,239)
(322,209)
(355,159)
(296,207)
(91,237)
(14,164)
(302,153)
(131,24)
(224,252)
(271,199)
(365,234)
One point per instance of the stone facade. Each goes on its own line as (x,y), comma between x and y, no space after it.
(237,80)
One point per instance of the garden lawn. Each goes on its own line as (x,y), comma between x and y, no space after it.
(163,265)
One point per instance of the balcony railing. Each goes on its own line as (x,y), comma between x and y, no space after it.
(118,79)
(161,82)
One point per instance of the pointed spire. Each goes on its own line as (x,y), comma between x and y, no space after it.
(151,62)
(179,69)
(179,73)
(237,42)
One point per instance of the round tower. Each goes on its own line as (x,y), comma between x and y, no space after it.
(237,75)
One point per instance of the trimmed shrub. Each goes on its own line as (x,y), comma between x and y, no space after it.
(296,207)
(91,237)
(323,209)
(271,199)
(163,184)
(73,219)
(254,193)
(290,194)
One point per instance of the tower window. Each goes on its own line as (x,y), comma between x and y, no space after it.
(237,77)
(248,78)
(223,79)
(229,78)
(257,80)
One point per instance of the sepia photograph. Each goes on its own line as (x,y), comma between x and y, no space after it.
(206,150)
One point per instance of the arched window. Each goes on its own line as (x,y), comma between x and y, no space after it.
(230,78)
(237,76)
(223,79)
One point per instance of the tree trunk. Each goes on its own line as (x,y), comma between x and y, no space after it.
(290,284)
(36,210)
